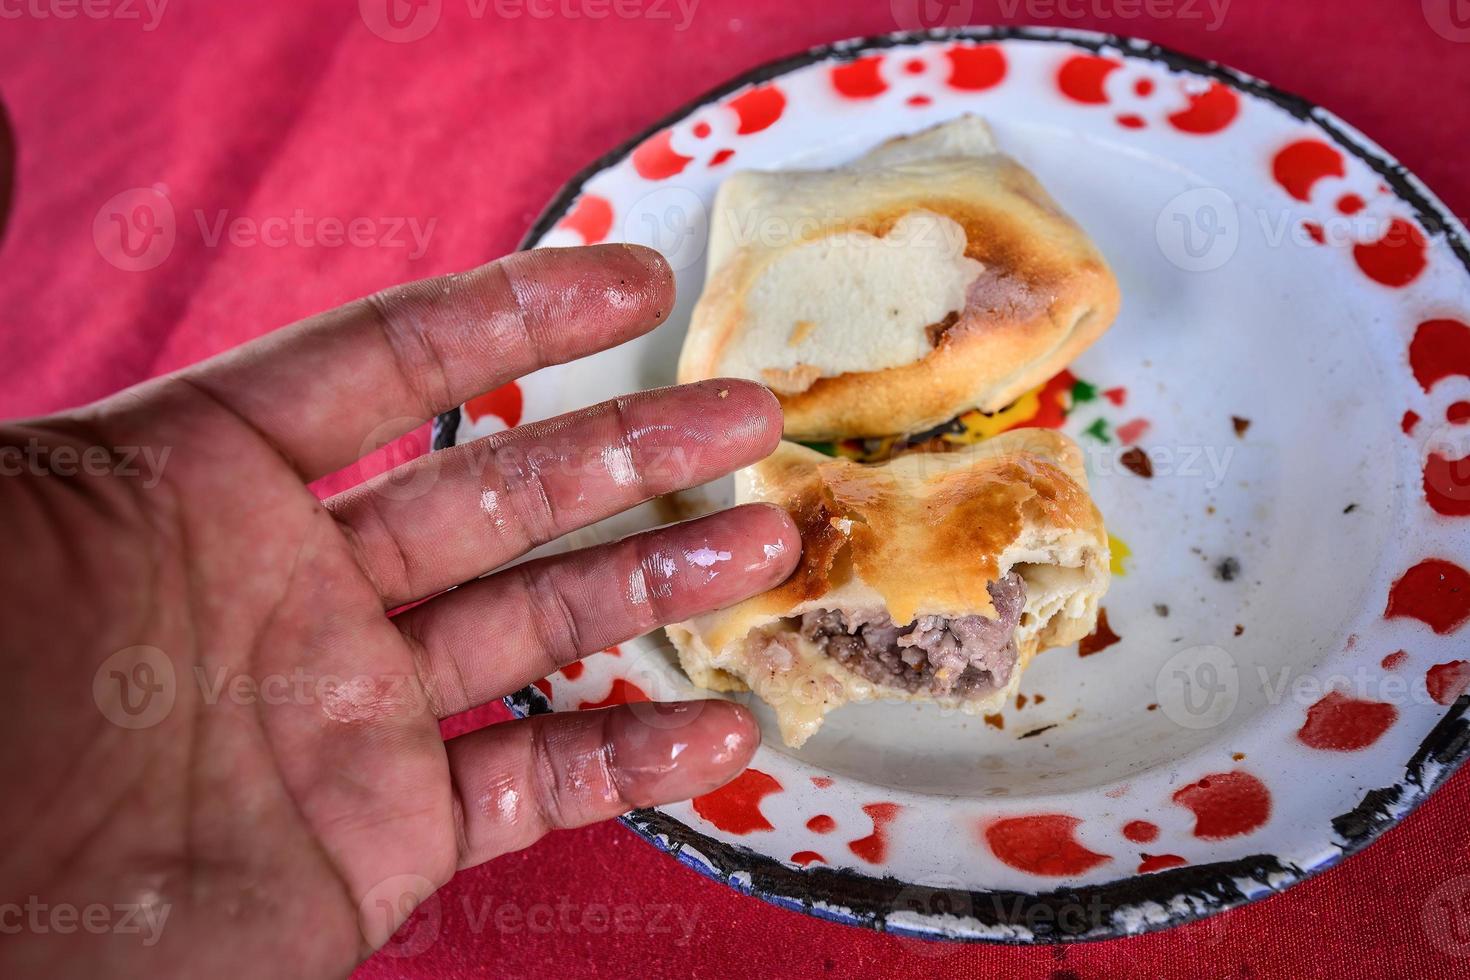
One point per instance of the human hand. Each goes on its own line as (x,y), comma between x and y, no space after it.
(276,835)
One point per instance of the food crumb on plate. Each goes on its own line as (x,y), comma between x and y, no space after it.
(1137,462)
(1100,638)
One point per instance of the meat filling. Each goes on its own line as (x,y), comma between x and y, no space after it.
(962,656)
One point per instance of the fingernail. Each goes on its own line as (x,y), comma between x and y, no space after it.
(660,754)
(650,259)
(781,547)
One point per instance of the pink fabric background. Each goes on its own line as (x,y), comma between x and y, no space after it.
(260,109)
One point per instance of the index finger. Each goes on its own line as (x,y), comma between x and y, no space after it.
(323,389)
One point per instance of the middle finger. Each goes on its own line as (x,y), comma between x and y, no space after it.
(450,517)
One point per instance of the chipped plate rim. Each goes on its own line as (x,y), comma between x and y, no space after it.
(1137,904)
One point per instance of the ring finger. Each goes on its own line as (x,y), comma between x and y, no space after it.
(505,631)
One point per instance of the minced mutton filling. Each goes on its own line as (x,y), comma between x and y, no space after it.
(962,656)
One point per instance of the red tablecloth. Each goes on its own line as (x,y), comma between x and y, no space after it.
(263,110)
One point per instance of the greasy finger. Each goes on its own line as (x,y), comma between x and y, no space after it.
(499,634)
(331,389)
(449,517)
(516,781)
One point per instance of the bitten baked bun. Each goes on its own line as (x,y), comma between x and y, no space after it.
(931,577)
(931,276)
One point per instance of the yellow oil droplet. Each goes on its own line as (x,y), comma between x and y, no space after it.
(1120,551)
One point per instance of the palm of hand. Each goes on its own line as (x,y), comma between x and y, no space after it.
(265,773)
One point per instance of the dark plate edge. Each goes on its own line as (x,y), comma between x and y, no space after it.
(857,899)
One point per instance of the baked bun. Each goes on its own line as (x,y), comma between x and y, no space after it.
(930,577)
(932,276)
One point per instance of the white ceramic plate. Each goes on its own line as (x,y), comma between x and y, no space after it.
(1291,358)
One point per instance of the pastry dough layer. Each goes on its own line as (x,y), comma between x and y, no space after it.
(1025,294)
(922,534)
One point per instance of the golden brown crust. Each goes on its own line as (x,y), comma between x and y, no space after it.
(1044,296)
(926,532)
(922,534)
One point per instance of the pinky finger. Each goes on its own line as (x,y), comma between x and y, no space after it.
(516,781)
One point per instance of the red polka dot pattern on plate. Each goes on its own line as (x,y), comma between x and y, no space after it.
(736,807)
(1226,804)
(1339,723)
(1435,592)
(1044,844)
(874,847)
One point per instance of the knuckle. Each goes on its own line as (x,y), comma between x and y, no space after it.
(558,632)
(514,329)
(429,681)
(546,791)
(416,357)
(523,488)
(650,583)
(386,565)
(621,458)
